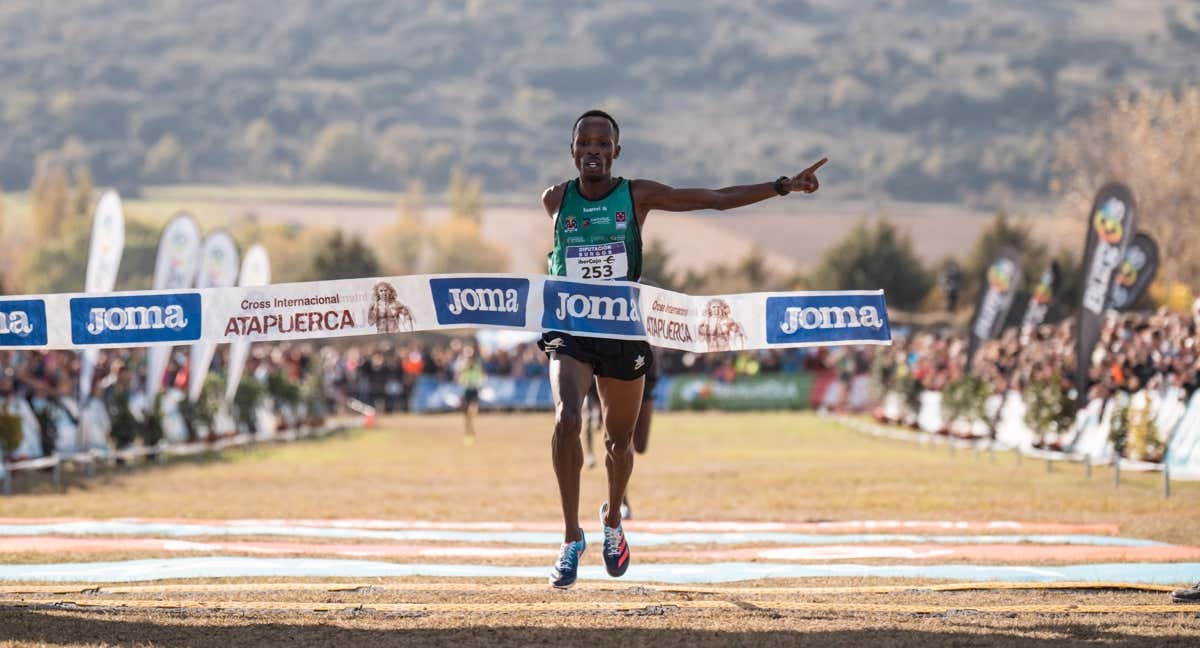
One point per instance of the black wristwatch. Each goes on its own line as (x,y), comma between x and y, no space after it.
(779,186)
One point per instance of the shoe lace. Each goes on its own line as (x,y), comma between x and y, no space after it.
(567,555)
(612,541)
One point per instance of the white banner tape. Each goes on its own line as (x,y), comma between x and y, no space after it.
(388,305)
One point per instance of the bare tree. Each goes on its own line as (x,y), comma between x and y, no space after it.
(1148,141)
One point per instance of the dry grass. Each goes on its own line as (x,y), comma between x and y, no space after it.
(780,466)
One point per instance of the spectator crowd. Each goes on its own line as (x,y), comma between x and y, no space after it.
(1156,351)
(1136,350)
(380,372)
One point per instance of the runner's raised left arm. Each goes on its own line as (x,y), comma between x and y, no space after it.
(651,195)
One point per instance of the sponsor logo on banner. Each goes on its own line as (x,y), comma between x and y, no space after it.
(826,318)
(1043,293)
(22,322)
(133,319)
(1000,275)
(592,308)
(387,313)
(303,322)
(1134,274)
(1127,273)
(668,322)
(324,313)
(994,307)
(719,330)
(777,391)
(1039,301)
(1109,224)
(1109,221)
(498,301)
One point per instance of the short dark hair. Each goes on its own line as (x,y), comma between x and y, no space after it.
(602,115)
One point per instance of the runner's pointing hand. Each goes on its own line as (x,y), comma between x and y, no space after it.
(806,180)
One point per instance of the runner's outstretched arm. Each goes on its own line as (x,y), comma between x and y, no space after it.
(651,195)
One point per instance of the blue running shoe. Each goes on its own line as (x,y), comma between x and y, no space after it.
(616,550)
(566,568)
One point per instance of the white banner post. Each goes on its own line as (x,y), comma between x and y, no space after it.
(218,269)
(104,259)
(175,268)
(256,271)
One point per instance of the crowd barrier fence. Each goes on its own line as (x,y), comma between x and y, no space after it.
(1176,421)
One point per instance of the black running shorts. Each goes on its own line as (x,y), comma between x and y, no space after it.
(620,359)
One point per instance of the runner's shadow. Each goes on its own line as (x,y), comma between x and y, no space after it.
(75,479)
(176,628)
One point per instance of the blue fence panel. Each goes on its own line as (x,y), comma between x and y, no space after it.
(499,392)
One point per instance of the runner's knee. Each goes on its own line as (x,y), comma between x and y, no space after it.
(640,443)
(619,443)
(567,422)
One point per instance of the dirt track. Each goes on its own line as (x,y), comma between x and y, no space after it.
(501,615)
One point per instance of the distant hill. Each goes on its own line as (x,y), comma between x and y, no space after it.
(916,100)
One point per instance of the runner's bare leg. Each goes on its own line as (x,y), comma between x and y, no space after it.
(641,434)
(569,382)
(589,425)
(620,401)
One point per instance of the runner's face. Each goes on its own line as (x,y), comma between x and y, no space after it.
(594,149)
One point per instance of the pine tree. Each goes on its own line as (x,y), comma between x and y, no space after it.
(82,198)
(50,202)
(400,244)
(465,196)
(344,257)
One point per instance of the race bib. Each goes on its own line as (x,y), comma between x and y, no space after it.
(604,261)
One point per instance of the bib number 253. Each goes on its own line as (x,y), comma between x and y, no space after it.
(597,272)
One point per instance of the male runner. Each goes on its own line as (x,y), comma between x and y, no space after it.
(593,210)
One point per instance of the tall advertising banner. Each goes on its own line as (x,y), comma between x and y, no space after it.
(1001,283)
(1111,225)
(1042,297)
(256,271)
(218,269)
(175,268)
(1135,273)
(104,258)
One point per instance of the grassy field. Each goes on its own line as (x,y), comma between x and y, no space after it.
(710,466)
(779,467)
